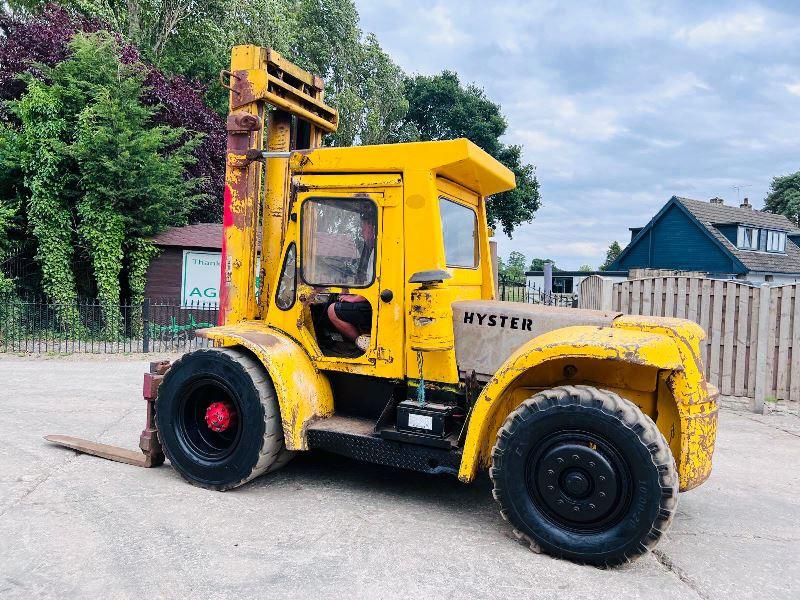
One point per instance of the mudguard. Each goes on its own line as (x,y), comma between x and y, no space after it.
(603,343)
(304,394)
(695,399)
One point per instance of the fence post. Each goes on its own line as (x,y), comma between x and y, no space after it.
(146,325)
(495,267)
(548,277)
(761,350)
(606,294)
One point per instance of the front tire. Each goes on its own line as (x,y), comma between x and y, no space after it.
(218,419)
(583,474)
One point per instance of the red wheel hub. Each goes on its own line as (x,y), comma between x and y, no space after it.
(219,416)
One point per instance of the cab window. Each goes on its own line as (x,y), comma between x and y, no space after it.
(284,297)
(338,241)
(460,229)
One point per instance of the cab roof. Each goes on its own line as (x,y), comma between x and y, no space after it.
(459,160)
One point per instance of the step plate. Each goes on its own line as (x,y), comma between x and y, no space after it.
(373,449)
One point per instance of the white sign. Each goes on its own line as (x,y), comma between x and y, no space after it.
(201,277)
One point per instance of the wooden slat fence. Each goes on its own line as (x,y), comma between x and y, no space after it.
(753,344)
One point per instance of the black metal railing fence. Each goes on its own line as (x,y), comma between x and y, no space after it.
(38,325)
(525,291)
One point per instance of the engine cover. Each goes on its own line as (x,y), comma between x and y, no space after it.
(487,332)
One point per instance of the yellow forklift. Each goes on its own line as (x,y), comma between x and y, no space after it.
(374,332)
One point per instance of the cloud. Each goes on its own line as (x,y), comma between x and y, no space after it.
(443,29)
(673,86)
(582,250)
(793,88)
(666,144)
(734,29)
(589,123)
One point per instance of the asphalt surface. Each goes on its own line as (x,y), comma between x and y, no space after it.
(74,526)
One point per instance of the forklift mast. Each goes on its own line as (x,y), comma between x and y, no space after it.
(268,97)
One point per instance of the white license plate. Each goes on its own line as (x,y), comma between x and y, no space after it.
(420,421)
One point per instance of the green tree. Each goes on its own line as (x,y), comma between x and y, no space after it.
(200,47)
(9,208)
(614,250)
(371,102)
(131,172)
(376,102)
(784,197)
(99,177)
(513,269)
(586,268)
(194,37)
(441,108)
(40,149)
(537,264)
(11,220)
(152,24)
(20,7)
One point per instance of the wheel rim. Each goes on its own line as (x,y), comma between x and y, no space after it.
(579,481)
(199,427)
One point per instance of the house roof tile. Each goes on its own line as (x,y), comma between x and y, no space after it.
(201,235)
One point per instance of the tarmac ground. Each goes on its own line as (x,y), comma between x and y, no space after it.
(75,526)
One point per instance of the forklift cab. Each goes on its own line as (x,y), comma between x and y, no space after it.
(363,222)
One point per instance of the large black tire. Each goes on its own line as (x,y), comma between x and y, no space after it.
(252,444)
(583,474)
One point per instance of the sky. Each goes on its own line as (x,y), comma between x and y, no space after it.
(619,105)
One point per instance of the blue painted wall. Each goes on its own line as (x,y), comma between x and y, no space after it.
(731,232)
(637,255)
(678,242)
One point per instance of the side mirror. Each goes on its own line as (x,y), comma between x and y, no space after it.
(435,276)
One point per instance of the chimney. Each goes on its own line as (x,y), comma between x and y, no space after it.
(717,200)
(746,204)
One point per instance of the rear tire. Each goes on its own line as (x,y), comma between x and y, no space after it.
(583,474)
(252,442)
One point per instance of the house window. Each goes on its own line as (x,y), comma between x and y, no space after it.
(776,241)
(748,238)
(562,285)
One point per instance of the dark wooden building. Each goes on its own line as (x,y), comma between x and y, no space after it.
(186,269)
